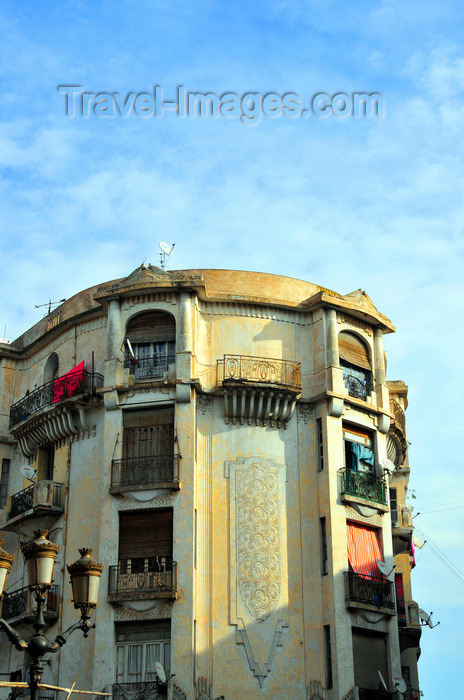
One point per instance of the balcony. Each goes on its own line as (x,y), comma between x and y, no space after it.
(78,384)
(136,691)
(142,579)
(369,593)
(362,487)
(43,499)
(146,369)
(144,473)
(409,627)
(20,605)
(258,389)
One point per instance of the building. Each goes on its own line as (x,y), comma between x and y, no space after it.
(223,441)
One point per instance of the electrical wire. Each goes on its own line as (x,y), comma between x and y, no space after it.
(452,568)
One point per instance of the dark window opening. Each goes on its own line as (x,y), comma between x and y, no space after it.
(356,365)
(150,345)
(328,657)
(4,482)
(324,553)
(320,444)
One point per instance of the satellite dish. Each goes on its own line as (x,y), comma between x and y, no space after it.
(166,248)
(400,684)
(388,465)
(384,568)
(382,681)
(160,672)
(426,618)
(28,472)
(418,542)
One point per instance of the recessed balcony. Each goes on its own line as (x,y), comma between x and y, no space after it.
(363,488)
(20,606)
(369,593)
(143,579)
(144,473)
(409,627)
(80,384)
(258,389)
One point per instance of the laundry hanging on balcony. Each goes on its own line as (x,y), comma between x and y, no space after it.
(364,550)
(69,383)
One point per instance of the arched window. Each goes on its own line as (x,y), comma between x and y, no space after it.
(150,344)
(52,367)
(354,359)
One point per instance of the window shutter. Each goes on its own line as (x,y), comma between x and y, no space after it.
(370,657)
(353,350)
(364,550)
(145,534)
(151,327)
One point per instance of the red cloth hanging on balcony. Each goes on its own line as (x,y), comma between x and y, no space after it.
(364,550)
(69,383)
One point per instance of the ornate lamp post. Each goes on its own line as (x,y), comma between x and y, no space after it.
(40,556)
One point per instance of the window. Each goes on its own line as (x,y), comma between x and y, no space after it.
(394,507)
(4,482)
(359,455)
(400,604)
(45,463)
(323,530)
(356,365)
(139,646)
(150,345)
(148,446)
(145,540)
(51,368)
(369,657)
(328,657)
(320,444)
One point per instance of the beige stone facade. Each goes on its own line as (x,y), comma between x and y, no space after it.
(223,451)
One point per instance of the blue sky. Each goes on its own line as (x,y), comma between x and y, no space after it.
(343,202)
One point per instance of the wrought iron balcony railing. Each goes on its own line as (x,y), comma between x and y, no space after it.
(22,602)
(136,691)
(357,381)
(43,493)
(369,590)
(80,383)
(244,369)
(150,577)
(147,368)
(141,471)
(363,485)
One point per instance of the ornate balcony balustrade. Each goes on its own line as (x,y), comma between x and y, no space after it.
(42,494)
(150,368)
(363,485)
(259,370)
(79,383)
(148,471)
(398,415)
(136,691)
(153,577)
(358,382)
(22,602)
(369,590)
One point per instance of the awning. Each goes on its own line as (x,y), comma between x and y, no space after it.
(364,549)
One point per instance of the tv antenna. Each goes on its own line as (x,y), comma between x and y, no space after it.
(49,304)
(166,251)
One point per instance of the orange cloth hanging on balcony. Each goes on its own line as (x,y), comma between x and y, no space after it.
(364,550)
(69,383)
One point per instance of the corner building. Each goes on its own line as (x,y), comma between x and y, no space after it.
(219,438)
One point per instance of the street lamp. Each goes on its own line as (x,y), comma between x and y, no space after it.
(40,556)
